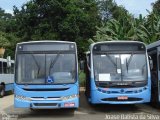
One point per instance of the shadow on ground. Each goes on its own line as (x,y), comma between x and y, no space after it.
(85,108)
(106,108)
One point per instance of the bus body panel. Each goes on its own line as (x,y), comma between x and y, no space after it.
(153,50)
(8,80)
(9,87)
(101,93)
(44,95)
(158,59)
(6,75)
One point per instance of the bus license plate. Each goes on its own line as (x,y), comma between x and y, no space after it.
(123,98)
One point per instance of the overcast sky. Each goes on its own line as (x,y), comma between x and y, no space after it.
(135,7)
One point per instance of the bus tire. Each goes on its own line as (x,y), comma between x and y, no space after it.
(2,92)
(31,109)
(12,91)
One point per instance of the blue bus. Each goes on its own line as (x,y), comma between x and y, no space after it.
(6,75)
(154,53)
(117,72)
(46,75)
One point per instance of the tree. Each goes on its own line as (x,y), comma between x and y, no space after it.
(150,31)
(108,9)
(8,38)
(3,40)
(117,23)
(156,6)
(4,20)
(53,19)
(68,20)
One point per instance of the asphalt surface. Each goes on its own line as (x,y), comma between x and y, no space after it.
(85,112)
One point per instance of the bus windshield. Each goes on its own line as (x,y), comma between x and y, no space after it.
(120,67)
(46,68)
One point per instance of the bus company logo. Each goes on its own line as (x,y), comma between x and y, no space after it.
(122,91)
(49,80)
(45,98)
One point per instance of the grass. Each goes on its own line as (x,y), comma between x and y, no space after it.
(82,78)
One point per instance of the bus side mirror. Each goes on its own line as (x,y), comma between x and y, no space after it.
(81,65)
(150,62)
(8,61)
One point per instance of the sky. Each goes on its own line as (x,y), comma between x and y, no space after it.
(7,5)
(135,7)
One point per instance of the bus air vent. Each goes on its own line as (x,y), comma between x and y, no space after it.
(115,99)
(50,89)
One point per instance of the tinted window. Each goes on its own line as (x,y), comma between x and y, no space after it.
(46,68)
(116,67)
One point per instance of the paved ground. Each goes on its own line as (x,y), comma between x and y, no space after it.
(85,112)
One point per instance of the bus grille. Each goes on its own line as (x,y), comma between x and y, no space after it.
(116,99)
(45,104)
(44,99)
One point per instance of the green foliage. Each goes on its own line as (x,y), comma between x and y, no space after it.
(82,79)
(67,20)
(53,19)
(123,26)
(3,40)
(8,38)
(8,41)
(156,6)
(83,22)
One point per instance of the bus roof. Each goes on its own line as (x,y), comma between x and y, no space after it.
(154,44)
(43,41)
(116,41)
(5,60)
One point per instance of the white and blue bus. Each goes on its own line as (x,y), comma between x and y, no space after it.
(46,75)
(117,72)
(6,75)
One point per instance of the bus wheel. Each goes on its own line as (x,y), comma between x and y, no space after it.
(32,109)
(12,91)
(2,92)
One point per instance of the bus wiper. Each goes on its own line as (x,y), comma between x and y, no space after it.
(129,61)
(115,64)
(53,62)
(36,64)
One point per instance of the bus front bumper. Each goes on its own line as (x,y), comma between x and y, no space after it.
(72,103)
(98,97)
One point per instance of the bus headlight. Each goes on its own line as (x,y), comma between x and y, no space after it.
(69,97)
(20,97)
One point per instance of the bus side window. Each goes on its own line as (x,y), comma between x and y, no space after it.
(5,70)
(12,68)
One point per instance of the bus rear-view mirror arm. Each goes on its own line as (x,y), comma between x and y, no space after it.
(81,65)
(151,62)
(8,61)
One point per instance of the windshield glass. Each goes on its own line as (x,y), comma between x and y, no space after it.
(46,68)
(120,67)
